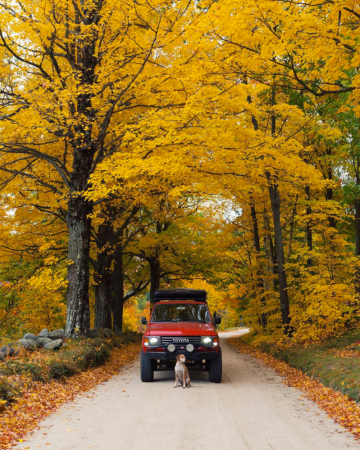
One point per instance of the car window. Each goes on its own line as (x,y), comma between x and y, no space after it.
(180,313)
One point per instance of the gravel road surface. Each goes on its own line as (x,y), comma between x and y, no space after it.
(250,410)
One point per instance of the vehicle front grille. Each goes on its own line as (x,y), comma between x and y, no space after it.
(196,340)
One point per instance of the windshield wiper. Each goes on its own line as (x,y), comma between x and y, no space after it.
(165,320)
(191,320)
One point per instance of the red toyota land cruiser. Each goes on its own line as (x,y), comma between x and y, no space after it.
(180,322)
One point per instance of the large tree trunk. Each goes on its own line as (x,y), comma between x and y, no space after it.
(103,277)
(78,311)
(103,302)
(118,292)
(155,275)
(78,221)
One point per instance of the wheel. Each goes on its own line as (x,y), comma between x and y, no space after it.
(146,368)
(215,369)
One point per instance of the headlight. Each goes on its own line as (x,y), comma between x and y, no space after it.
(154,340)
(151,341)
(206,340)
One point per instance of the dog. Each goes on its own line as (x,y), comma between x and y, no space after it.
(181,372)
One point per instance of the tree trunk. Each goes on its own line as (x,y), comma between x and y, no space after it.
(79,225)
(275,206)
(357,227)
(357,243)
(309,236)
(284,300)
(329,191)
(118,292)
(292,225)
(260,283)
(103,302)
(78,221)
(155,274)
(104,243)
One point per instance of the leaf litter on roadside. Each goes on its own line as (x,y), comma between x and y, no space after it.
(344,411)
(41,399)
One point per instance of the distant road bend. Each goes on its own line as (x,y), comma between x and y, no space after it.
(250,410)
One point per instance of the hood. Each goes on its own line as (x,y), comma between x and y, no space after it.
(181,329)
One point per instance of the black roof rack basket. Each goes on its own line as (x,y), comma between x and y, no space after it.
(198,295)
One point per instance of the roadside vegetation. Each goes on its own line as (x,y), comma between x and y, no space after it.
(39,384)
(334,362)
(18,373)
(315,375)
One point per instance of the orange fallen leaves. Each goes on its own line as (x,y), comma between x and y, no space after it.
(339,407)
(40,400)
(347,354)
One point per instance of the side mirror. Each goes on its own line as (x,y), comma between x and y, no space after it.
(143,320)
(216,319)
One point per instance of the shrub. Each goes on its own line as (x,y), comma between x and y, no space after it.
(62,369)
(9,390)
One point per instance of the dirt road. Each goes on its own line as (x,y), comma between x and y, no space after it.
(250,410)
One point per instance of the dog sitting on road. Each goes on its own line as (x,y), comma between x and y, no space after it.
(181,372)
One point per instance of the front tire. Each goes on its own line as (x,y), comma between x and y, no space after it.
(146,368)
(215,369)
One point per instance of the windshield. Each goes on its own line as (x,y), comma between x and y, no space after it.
(180,312)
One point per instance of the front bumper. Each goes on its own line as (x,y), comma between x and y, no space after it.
(199,354)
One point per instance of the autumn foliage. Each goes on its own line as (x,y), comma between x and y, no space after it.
(151,144)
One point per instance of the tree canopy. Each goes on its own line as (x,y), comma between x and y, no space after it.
(149,144)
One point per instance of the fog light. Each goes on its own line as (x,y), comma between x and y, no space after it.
(171,347)
(190,348)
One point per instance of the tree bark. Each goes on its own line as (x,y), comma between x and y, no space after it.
(329,191)
(79,225)
(255,228)
(284,300)
(357,227)
(118,292)
(357,237)
(275,206)
(155,275)
(309,236)
(79,209)
(104,241)
(260,283)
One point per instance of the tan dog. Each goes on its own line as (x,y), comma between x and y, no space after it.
(181,372)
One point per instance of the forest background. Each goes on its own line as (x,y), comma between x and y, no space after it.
(210,144)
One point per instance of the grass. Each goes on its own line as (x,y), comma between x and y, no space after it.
(335,362)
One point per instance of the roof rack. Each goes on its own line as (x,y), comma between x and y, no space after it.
(198,295)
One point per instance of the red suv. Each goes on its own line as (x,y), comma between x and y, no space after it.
(180,322)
